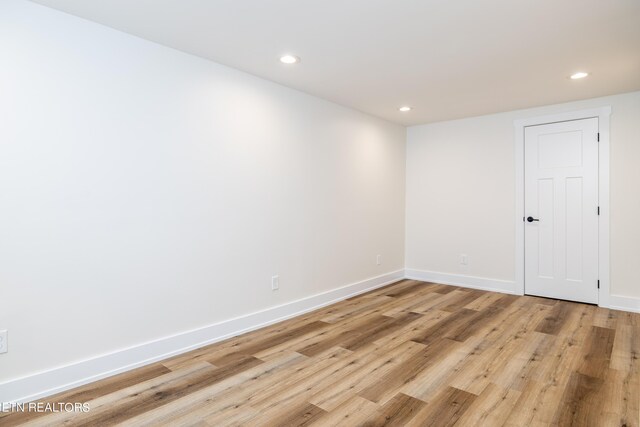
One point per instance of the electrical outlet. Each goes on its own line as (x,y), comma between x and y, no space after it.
(4,346)
(379,260)
(275,283)
(464,259)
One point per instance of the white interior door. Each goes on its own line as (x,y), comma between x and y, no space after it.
(561,210)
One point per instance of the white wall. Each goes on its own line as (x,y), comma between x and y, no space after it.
(461,194)
(145,192)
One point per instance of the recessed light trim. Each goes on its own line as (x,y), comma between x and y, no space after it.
(404,108)
(289,59)
(579,75)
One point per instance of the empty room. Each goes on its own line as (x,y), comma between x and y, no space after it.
(320,213)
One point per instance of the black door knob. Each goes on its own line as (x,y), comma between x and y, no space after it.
(531,219)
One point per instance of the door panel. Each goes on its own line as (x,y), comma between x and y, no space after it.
(545,229)
(574,228)
(561,192)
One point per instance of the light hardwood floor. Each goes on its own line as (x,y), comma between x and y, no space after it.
(413,353)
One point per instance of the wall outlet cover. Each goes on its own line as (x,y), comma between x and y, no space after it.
(4,345)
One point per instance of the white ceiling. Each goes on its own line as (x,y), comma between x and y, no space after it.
(446,58)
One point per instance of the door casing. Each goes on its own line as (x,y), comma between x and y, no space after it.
(603,114)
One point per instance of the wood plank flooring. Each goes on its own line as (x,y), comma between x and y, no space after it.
(409,354)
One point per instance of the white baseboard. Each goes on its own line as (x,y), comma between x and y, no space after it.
(615,302)
(46,383)
(619,302)
(473,282)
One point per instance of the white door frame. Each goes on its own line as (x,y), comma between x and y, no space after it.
(603,114)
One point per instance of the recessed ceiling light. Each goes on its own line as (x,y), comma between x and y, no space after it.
(289,59)
(405,108)
(580,75)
